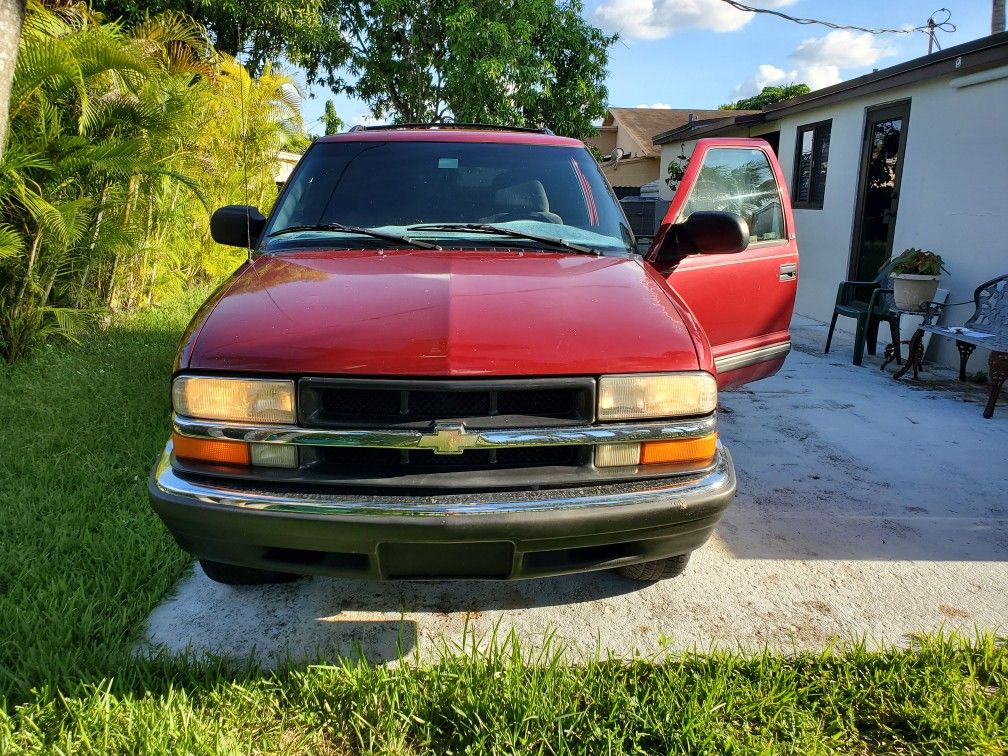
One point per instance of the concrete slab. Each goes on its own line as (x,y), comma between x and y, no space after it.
(866,508)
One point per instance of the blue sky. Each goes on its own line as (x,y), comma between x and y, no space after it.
(701,53)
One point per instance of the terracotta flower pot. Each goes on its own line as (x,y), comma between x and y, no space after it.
(909,290)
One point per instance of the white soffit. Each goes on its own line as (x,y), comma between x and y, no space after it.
(980,77)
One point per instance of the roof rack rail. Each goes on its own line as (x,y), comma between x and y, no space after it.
(448,126)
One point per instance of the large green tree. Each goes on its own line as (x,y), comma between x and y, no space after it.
(521,62)
(768,96)
(307,33)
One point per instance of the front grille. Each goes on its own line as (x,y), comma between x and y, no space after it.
(361,461)
(359,403)
(512,403)
(437,405)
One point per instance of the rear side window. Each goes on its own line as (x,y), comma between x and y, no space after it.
(741,181)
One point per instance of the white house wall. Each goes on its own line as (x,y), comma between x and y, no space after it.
(953,195)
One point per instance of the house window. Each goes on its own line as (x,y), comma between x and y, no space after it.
(811,161)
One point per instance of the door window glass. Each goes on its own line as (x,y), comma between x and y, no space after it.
(879,196)
(739,180)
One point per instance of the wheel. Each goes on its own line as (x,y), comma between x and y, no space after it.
(652,572)
(231,574)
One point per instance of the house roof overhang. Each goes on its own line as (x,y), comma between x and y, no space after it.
(976,55)
(641,124)
(969,57)
(707,127)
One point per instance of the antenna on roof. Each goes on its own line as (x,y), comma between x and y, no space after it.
(933,26)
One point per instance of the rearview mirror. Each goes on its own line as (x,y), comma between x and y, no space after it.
(705,232)
(237,226)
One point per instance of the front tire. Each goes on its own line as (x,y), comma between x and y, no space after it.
(231,574)
(652,572)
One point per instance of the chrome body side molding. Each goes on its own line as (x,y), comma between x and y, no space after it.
(752,357)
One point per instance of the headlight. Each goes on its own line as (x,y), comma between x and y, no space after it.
(239,399)
(636,396)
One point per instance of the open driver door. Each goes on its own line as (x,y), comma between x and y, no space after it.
(743,299)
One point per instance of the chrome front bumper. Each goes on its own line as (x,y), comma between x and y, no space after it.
(675,493)
(469,536)
(610,433)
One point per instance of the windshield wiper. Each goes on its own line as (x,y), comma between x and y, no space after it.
(356,230)
(490,228)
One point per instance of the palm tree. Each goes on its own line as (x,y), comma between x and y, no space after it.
(120,141)
(11,18)
(84,120)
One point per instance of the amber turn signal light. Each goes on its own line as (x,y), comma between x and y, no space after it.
(210,450)
(688,453)
(685,451)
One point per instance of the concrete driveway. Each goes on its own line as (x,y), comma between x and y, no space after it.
(866,508)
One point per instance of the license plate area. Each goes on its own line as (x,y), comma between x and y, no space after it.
(480,560)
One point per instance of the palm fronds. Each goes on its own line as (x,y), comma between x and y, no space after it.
(120,142)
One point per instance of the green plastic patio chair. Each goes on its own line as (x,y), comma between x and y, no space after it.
(870,303)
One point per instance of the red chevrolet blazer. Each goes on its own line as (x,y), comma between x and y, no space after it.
(445,358)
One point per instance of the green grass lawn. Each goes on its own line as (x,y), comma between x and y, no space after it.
(83,560)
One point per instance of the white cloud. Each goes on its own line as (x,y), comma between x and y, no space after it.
(654,19)
(841,48)
(821,75)
(657,106)
(765,76)
(819,62)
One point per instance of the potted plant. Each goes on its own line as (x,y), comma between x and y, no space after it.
(915,276)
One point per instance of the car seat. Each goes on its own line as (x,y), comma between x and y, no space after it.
(523,200)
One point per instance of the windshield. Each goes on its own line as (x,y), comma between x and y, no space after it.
(555,192)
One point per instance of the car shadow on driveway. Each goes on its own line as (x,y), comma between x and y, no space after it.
(326,618)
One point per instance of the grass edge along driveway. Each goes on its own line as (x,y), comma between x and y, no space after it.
(83,560)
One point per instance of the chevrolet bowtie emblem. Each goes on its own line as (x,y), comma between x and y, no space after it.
(448,439)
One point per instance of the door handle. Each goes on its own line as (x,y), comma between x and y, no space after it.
(788,272)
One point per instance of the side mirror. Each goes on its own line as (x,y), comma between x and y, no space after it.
(705,232)
(237,226)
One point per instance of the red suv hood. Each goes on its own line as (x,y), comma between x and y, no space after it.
(451,313)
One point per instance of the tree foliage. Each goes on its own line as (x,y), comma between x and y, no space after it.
(519,62)
(306,33)
(330,119)
(768,96)
(120,140)
(524,62)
